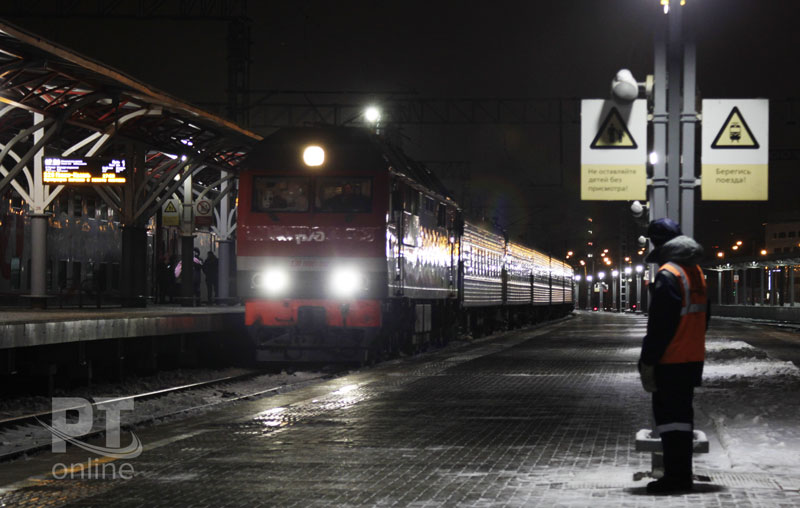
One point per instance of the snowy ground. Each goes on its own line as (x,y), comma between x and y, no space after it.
(752,403)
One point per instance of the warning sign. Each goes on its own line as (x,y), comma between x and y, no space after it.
(613,150)
(735,139)
(170,215)
(613,133)
(204,211)
(735,133)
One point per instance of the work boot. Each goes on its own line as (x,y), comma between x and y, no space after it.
(670,485)
(677,448)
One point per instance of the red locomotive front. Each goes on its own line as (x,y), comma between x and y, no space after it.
(312,244)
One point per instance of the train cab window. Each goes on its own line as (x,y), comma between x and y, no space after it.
(344,195)
(280,194)
(412,201)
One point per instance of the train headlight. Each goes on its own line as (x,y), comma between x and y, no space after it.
(345,282)
(313,155)
(273,281)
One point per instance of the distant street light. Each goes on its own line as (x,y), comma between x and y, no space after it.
(372,114)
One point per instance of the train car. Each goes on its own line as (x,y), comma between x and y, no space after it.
(349,251)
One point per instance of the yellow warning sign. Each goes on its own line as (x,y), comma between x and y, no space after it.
(170,215)
(735,182)
(735,133)
(613,133)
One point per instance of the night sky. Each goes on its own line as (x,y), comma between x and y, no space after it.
(524,178)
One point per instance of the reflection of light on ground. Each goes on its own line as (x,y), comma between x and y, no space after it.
(272,417)
(345,389)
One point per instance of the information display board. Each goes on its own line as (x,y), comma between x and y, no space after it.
(94,170)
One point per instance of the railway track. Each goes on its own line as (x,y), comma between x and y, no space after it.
(25,434)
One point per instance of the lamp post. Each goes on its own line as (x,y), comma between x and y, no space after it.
(576,290)
(589,279)
(628,271)
(601,276)
(614,274)
(639,270)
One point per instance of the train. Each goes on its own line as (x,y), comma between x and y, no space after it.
(350,251)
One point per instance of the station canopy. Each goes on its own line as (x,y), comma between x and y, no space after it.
(97,104)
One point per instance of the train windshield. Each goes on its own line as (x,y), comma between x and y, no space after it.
(281,194)
(343,195)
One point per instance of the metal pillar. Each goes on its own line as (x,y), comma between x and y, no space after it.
(761,292)
(224,230)
(639,291)
(658,191)
(674,111)
(688,123)
(745,289)
(791,286)
(735,288)
(602,290)
(588,295)
(719,287)
(613,294)
(187,244)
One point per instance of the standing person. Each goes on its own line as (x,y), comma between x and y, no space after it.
(211,269)
(673,351)
(198,273)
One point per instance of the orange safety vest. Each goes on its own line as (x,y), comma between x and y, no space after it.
(689,342)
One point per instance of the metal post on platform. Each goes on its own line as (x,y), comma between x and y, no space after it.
(674,60)
(791,285)
(688,181)
(719,287)
(761,287)
(224,230)
(589,292)
(187,244)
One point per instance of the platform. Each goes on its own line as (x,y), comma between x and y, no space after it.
(538,417)
(24,328)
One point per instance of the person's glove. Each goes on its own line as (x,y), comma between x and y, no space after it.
(647,373)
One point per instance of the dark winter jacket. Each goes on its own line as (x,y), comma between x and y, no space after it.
(664,314)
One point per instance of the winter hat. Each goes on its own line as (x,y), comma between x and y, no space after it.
(660,231)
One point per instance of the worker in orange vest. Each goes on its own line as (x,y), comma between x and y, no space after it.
(673,351)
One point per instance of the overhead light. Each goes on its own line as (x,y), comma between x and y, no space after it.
(313,155)
(372,114)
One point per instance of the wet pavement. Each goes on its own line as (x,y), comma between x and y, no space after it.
(539,417)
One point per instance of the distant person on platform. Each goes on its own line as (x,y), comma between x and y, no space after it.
(211,270)
(198,272)
(673,351)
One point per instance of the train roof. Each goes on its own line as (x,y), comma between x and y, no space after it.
(352,144)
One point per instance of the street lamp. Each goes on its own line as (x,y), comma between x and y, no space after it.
(601,276)
(589,279)
(639,270)
(614,274)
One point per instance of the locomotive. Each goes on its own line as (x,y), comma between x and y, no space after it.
(348,250)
